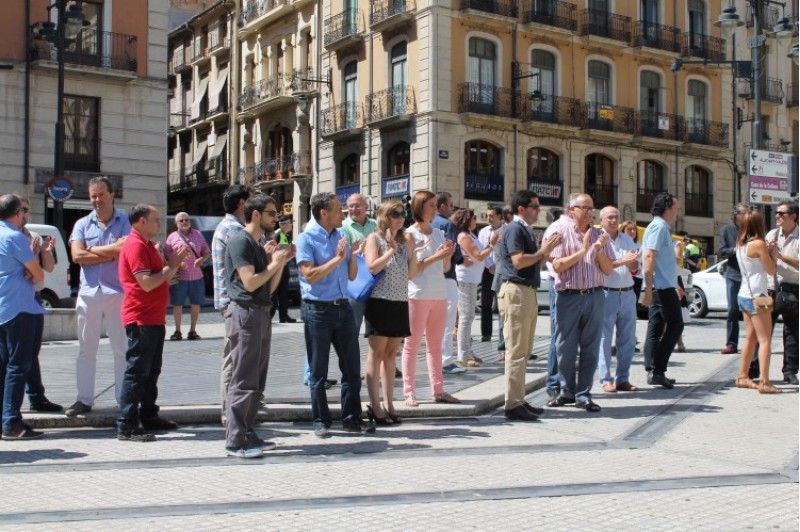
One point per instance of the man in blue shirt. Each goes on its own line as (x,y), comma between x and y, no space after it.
(19,271)
(665,324)
(326,262)
(95,244)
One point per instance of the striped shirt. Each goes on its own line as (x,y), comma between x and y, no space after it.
(188,271)
(228,227)
(585,273)
(559,225)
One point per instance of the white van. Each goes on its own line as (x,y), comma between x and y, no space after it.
(56,291)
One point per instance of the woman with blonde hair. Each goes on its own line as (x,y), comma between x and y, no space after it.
(386,313)
(756,264)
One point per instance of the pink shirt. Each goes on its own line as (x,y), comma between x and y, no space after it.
(586,273)
(188,272)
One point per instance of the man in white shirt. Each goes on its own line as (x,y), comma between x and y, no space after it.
(494,215)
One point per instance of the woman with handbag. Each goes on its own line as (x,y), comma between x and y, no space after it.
(386,314)
(756,264)
(427,298)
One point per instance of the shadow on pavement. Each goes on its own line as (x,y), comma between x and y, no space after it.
(32,456)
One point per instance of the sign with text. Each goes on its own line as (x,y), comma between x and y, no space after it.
(60,188)
(396,186)
(769,173)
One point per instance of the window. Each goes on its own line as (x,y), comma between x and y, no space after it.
(650,85)
(598,17)
(81,145)
(696,103)
(699,198)
(544,63)
(349,171)
(399,161)
(399,79)
(598,91)
(697,24)
(650,178)
(278,152)
(599,180)
(481,72)
(351,94)
(544,176)
(483,178)
(89,41)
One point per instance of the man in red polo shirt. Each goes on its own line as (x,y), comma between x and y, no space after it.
(145,280)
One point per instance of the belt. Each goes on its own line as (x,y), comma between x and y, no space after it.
(521,283)
(583,292)
(335,302)
(252,305)
(607,289)
(788,287)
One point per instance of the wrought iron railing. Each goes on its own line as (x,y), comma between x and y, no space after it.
(488,100)
(769,16)
(81,153)
(244,174)
(285,167)
(222,105)
(551,13)
(699,205)
(262,90)
(506,8)
(217,40)
(659,125)
(602,193)
(200,47)
(103,49)
(299,81)
(255,8)
(343,25)
(771,89)
(703,46)
(791,95)
(604,24)
(656,36)
(608,117)
(554,110)
(395,101)
(179,59)
(699,131)
(644,198)
(385,9)
(348,115)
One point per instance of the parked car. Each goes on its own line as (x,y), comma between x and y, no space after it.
(56,291)
(710,292)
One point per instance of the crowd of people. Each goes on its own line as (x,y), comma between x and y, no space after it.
(428,273)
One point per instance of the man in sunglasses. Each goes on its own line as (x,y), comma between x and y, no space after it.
(783,247)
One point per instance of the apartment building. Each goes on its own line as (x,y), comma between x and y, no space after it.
(114,106)
(482,98)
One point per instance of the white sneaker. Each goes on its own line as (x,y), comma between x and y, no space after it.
(252,452)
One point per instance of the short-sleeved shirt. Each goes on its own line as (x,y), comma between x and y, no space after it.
(483,236)
(621,277)
(317,246)
(103,276)
(658,237)
(229,226)
(16,292)
(788,246)
(243,250)
(139,255)
(518,238)
(356,232)
(586,273)
(427,284)
(197,242)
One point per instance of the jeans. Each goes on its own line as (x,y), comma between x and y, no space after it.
(17,338)
(579,326)
(786,303)
(325,324)
(487,298)
(664,327)
(34,386)
(552,353)
(620,315)
(467,299)
(140,383)
(358,313)
(732,323)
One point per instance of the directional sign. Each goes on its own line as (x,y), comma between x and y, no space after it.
(769,173)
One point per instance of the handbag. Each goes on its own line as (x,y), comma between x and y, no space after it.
(361,287)
(761,303)
(687,315)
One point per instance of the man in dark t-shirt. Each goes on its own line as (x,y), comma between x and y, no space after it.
(252,273)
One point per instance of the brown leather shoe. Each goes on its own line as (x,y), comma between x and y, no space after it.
(627,387)
(609,387)
(729,350)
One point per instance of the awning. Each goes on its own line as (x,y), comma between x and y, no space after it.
(198,97)
(216,90)
(222,139)
(199,154)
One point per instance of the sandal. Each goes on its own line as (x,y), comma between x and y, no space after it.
(476,359)
(411,401)
(745,382)
(445,397)
(192,336)
(468,363)
(767,387)
(176,336)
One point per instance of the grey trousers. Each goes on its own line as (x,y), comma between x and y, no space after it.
(249,331)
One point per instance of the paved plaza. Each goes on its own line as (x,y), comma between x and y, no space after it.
(703,456)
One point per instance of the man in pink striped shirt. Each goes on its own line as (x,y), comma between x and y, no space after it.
(580,264)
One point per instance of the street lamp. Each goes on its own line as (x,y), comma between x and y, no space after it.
(794,52)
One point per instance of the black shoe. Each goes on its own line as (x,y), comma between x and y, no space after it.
(288,320)
(77,409)
(533,357)
(520,413)
(589,406)
(23,432)
(159,423)
(791,378)
(135,435)
(486,338)
(533,409)
(46,406)
(657,379)
(560,401)
(356,428)
(329,383)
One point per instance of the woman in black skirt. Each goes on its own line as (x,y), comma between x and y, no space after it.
(386,314)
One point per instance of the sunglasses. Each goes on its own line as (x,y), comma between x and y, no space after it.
(397,214)
(271,213)
(782,213)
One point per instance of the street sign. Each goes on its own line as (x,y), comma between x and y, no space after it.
(60,188)
(769,173)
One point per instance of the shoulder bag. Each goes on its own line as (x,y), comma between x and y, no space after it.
(761,303)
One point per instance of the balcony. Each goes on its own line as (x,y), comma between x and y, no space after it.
(598,23)
(657,36)
(488,100)
(700,46)
(343,121)
(553,13)
(791,95)
(699,205)
(265,94)
(103,50)
(487,187)
(391,14)
(200,178)
(706,132)
(555,110)
(659,125)
(292,166)
(343,30)
(219,44)
(299,83)
(606,117)
(178,122)
(258,13)
(392,107)
(180,61)
(501,10)
(601,193)
(771,90)
(200,55)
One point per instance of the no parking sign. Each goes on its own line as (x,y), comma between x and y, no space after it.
(60,188)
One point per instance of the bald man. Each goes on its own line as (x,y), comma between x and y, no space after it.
(190,276)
